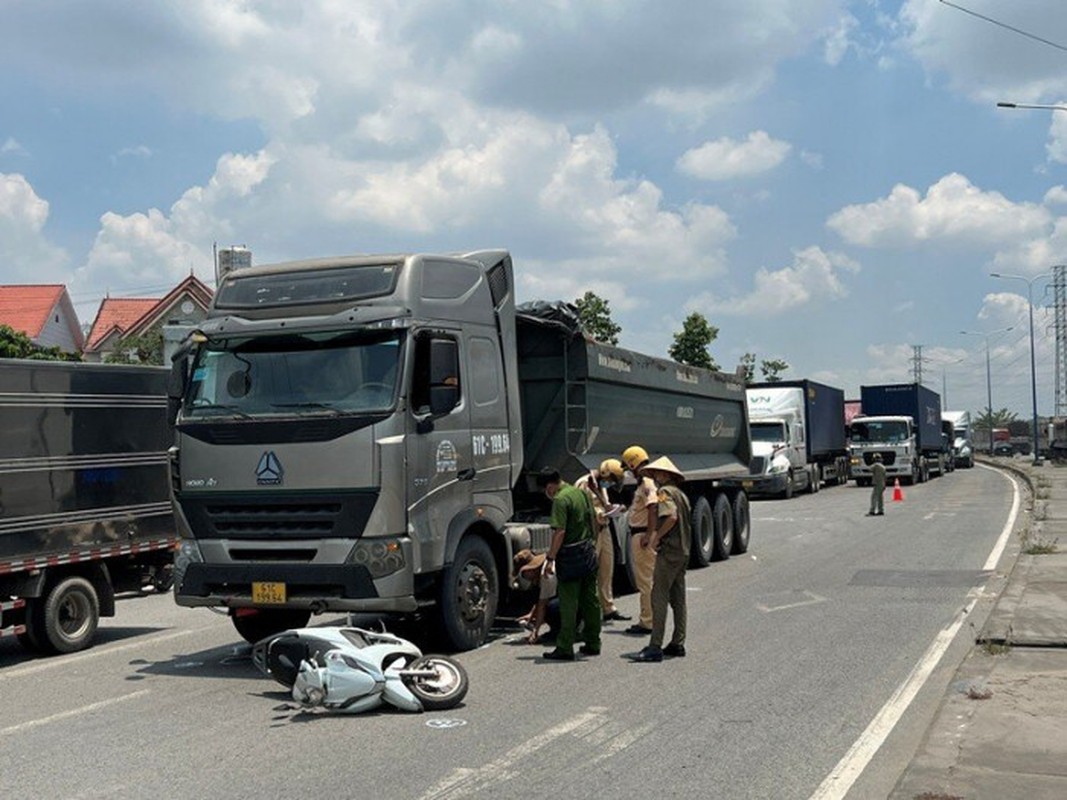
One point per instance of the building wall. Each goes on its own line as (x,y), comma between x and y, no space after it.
(58,334)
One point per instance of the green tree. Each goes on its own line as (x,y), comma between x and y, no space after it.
(596,318)
(692,341)
(998,419)
(772,369)
(748,364)
(144,349)
(16,344)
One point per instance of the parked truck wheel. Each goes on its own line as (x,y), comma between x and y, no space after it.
(742,524)
(470,588)
(724,528)
(703,547)
(264,623)
(787,493)
(65,619)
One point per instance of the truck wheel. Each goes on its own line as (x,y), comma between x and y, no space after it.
(787,493)
(65,620)
(724,529)
(702,548)
(469,592)
(742,524)
(264,623)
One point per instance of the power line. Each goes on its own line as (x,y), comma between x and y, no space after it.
(1005,26)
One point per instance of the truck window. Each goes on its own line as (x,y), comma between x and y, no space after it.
(430,378)
(346,372)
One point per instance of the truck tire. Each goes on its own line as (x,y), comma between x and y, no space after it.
(65,619)
(702,549)
(742,524)
(724,528)
(787,493)
(470,588)
(264,623)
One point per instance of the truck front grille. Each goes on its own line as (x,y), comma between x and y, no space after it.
(265,517)
(889,458)
(757,465)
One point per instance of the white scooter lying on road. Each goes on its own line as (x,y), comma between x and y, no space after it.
(349,670)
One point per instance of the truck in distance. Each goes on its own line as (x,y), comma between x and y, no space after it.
(962,447)
(363,434)
(902,422)
(798,440)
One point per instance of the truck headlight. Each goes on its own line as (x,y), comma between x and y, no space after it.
(381,557)
(188,552)
(778,469)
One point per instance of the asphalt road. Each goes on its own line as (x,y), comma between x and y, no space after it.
(793,650)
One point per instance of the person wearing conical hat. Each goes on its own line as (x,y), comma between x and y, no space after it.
(671,543)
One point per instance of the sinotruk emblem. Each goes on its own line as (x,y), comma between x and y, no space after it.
(269,471)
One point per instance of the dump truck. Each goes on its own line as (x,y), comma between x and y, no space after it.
(798,440)
(902,422)
(363,434)
(85,508)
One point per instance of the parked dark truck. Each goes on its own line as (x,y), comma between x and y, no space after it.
(85,506)
(902,422)
(363,434)
(798,440)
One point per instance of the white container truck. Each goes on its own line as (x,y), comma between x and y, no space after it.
(798,439)
(962,449)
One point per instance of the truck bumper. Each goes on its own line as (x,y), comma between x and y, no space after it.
(318,587)
(760,485)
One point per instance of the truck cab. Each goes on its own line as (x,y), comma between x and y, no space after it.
(778,457)
(891,436)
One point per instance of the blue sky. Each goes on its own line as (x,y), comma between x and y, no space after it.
(828,181)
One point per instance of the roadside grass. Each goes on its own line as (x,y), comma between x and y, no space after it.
(1041,547)
(996,648)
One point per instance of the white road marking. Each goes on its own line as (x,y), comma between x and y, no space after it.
(813,599)
(837,784)
(74,712)
(465,781)
(40,666)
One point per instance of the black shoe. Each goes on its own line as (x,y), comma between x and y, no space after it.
(586,650)
(648,655)
(615,616)
(557,655)
(638,630)
(879,513)
(674,651)
(870,513)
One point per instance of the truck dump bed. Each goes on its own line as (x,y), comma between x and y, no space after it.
(583,401)
(83,459)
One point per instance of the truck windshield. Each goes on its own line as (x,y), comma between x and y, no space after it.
(888,432)
(767,431)
(320,373)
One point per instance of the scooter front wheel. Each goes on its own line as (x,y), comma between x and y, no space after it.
(438,682)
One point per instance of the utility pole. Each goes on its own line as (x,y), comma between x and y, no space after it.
(917,363)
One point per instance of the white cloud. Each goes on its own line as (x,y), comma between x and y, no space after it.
(12,147)
(838,41)
(814,274)
(953,210)
(726,158)
(26,255)
(1057,135)
(1057,195)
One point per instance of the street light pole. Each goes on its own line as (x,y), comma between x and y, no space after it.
(1033,372)
(1038,106)
(988,378)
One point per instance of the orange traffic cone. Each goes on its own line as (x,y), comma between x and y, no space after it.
(898,493)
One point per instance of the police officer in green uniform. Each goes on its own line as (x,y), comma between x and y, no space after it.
(877,486)
(572,523)
(671,545)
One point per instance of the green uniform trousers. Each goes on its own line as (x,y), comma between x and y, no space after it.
(668,590)
(578,596)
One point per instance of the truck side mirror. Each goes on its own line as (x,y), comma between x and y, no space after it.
(176,386)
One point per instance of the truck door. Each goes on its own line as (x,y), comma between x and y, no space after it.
(440,467)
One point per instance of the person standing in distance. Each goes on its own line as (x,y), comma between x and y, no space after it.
(571,520)
(877,486)
(595,484)
(643,519)
(671,545)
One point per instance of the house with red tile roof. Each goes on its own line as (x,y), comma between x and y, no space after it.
(43,312)
(122,318)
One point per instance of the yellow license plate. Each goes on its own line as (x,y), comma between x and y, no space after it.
(746,484)
(268,593)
